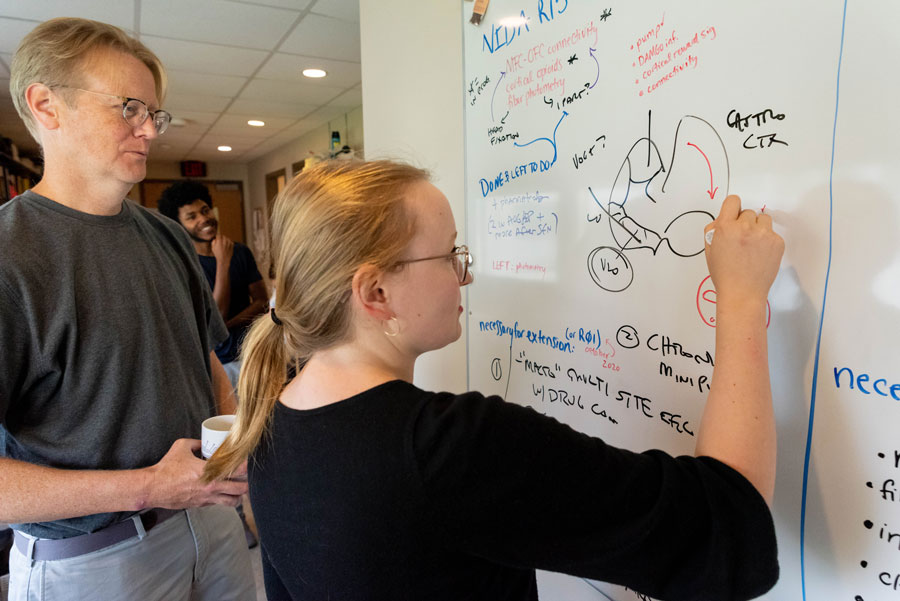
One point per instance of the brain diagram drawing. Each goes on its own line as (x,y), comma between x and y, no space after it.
(653,208)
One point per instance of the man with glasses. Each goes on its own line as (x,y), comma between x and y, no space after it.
(108,325)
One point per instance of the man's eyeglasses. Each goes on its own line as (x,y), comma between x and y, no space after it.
(135,111)
(461,260)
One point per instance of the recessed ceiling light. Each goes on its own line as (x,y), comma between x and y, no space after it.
(314,73)
(165,146)
(256,122)
(225,148)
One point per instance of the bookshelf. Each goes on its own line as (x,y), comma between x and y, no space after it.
(15,177)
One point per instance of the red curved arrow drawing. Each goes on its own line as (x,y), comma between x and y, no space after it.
(712,191)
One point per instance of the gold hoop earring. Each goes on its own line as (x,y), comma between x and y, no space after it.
(391,327)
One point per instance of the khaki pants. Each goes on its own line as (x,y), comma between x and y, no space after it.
(198,555)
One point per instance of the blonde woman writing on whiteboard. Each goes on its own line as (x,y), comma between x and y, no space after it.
(367,487)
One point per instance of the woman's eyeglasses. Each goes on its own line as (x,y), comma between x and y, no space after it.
(461,257)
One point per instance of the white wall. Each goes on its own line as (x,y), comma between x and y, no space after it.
(314,143)
(413,102)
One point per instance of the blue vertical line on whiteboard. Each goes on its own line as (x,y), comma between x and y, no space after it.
(594,586)
(815,377)
(465,142)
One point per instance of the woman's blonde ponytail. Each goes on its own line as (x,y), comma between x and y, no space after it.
(328,221)
(263,375)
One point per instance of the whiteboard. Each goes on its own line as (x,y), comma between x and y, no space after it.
(600,138)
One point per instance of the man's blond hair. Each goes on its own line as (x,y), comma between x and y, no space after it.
(55,52)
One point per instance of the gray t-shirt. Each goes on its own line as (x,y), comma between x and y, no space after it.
(106,325)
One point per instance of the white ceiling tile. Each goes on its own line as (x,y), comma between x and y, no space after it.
(198,117)
(203,154)
(233,140)
(120,14)
(176,153)
(11,33)
(211,48)
(349,99)
(289,67)
(237,124)
(193,102)
(297,5)
(273,124)
(348,10)
(188,133)
(198,57)
(238,144)
(267,108)
(183,82)
(216,21)
(289,92)
(324,36)
(284,137)
(257,134)
(326,113)
(266,147)
(190,128)
(252,155)
(176,137)
(301,127)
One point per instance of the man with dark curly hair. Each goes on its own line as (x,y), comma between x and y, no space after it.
(230,268)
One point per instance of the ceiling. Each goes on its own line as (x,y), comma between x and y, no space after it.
(228,61)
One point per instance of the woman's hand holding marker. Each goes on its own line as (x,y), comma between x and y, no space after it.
(746,239)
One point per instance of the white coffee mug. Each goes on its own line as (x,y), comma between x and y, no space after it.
(213,433)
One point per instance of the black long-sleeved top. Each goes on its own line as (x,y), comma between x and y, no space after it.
(398,493)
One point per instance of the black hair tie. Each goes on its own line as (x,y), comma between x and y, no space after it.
(275,317)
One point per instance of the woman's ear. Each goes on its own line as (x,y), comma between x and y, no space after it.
(369,291)
(44,105)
